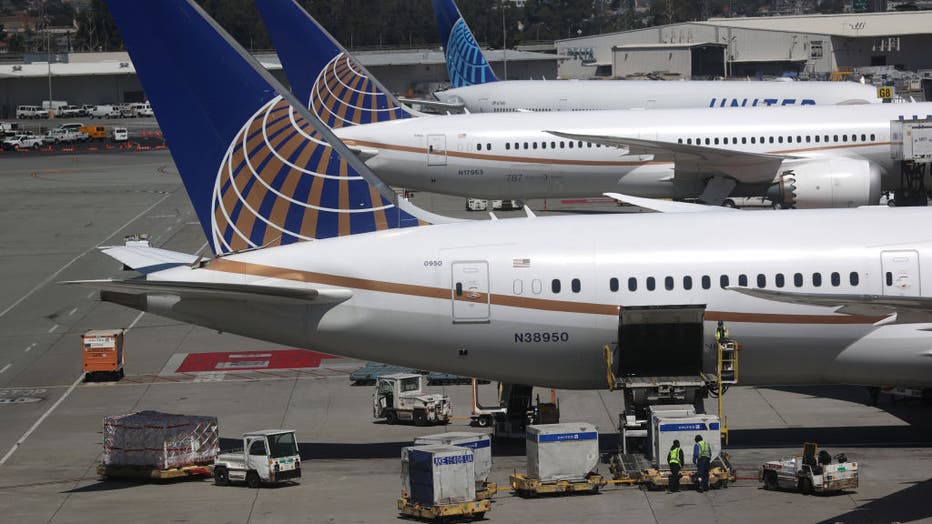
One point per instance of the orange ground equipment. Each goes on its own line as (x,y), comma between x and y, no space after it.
(102,354)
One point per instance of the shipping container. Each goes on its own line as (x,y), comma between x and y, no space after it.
(479,443)
(102,353)
(567,451)
(437,474)
(666,427)
(160,440)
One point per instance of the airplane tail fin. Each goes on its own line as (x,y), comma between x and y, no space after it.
(322,73)
(260,169)
(466,64)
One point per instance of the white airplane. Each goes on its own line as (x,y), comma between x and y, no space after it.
(476,88)
(510,156)
(802,157)
(312,251)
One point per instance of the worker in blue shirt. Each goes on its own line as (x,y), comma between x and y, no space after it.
(702,457)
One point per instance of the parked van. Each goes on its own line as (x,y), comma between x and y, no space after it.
(142,110)
(95,132)
(127,111)
(105,111)
(54,106)
(119,134)
(28,112)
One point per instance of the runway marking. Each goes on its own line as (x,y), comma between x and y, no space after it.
(53,328)
(6,367)
(28,349)
(73,311)
(54,275)
(56,404)
(91,294)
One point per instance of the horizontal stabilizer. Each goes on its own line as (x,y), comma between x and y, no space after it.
(743,166)
(219,291)
(908,310)
(666,206)
(148,259)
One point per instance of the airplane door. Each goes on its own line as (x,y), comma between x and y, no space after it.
(470,291)
(900,273)
(436,150)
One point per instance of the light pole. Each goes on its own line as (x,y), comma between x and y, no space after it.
(504,42)
(48,54)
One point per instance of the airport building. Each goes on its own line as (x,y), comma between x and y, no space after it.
(810,45)
(103,78)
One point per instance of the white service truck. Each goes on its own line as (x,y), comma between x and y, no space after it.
(401,396)
(813,472)
(269,455)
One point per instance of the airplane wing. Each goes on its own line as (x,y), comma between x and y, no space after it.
(908,310)
(742,166)
(666,206)
(219,291)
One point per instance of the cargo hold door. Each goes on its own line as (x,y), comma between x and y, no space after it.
(436,150)
(470,291)
(900,273)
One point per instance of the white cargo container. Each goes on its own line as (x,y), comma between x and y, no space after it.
(479,443)
(438,474)
(567,451)
(666,428)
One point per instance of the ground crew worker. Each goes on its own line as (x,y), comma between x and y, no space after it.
(721,333)
(675,460)
(702,456)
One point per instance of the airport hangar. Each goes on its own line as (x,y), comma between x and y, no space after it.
(814,46)
(105,78)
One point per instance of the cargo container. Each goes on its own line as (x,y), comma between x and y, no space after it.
(479,443)
(159,441)
(568,451)
(666,427)
(102,354)
(438,475)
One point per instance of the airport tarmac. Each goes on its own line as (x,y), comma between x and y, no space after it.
(58,209)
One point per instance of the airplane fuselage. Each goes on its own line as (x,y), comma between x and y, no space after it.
(534,300)
(513,156)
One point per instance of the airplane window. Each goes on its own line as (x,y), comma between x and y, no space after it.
(761,140)
(853,278)
(525,145)
(651,283)
(579,144)
(459,289)
(571,145)
(679,140)
(872,137)
(698,141)
(771,140)
(536,286)
(689,141)
(863,138)
(836,279)
(808,139)
(825,139)
(478,147)
(780,139)
(889,278)
(707,141)
(687,282)
(518,287)
(507,145)
(562,144)
(734,140)
(789,139)
(844,138)
(835,138)
(817,279)
(798,277)
(588,144)
(753,140)
(612,282)
(799,139)
(543,145)
(743,280)
(668,283)
(716,140)
(598,145)
(553,145)
(761,281)
(778,279)
(555,285)
(854,138)
(632,284)
(706,282)
(723,281)
(488,147)
(575,285)
(533,145)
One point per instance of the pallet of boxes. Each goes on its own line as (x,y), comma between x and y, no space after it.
(439,482)
(561,458)
(149,445)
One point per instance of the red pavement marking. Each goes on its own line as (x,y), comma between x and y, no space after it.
(249,360)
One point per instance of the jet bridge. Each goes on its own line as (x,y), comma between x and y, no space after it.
(911,145)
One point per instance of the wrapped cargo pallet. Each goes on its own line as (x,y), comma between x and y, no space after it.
(561,451)
(437,474)
(479,443)
(160,440)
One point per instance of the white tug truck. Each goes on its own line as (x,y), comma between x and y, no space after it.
(269,455)
(813,472)
(401,396)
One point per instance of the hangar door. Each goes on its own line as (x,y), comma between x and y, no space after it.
(471,291)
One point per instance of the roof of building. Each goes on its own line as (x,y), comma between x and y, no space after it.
(677,45)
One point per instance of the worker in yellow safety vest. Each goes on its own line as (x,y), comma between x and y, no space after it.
(702,456)
(721,333)
(675,460)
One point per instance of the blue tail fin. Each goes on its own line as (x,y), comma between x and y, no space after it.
(465,63)
(259,168)
(323,74)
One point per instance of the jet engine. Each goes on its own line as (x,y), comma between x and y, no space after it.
(829,182)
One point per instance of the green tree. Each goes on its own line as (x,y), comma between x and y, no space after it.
(96,29)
